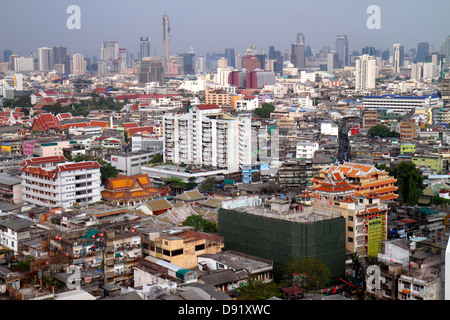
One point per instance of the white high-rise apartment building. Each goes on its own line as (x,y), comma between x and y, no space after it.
(398,57)
(207,137)
(79,65)
(23,64)
(53,182)
(45,59)
(366,72)
(221,76)
(110,56)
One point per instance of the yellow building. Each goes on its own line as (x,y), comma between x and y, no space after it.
(182,249)
(366,179)
(217,97)
(365,214)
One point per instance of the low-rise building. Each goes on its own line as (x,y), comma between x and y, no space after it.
(59,184)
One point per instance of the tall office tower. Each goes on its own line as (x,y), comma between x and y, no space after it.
(300,37)
(189,61)
(308,51)
(122,61)
(298,58)
(422,51)
(417,71)
(200,65)
(231,57)
(385,55)
(145,47)
(445,50)
(341,47)
(165,40)
(276,55)
(203,136)
(78,64)
(110,56)
(368,50)
(333,62)
(151,69)
(250,63)
(6,54)
(366,72)
(45,59)
(23,64)
(398,57)
(12,61)
(60,56)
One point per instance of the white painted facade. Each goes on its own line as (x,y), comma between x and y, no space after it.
(205,136)
(61,185)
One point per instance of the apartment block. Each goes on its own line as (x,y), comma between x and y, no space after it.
(53,182)
(205,136)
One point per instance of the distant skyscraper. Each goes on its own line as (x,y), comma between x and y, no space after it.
(145,47)
(251,63)
(300,37)
(276,55)
(422,51)
(368,50)
(189,62)
(110,56)
(60,56)
(151,69)
(332,61)
(165,39)
(366,71)
(122,61)
(445,50)
(231,57)
(298,55)
(79,66)
(341,47)
(385,55)
(308,51)
(45,59)
(398,57)
(200,65)
(6,54)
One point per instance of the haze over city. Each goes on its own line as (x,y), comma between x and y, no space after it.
(213,26)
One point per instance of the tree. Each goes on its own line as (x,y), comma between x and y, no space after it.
(265,110)
(409,182)
(192,183)
(255,289)
(308,273)
(175,183)
(200,223)
(157,158)
(107,171)
(208,185)
(381,131)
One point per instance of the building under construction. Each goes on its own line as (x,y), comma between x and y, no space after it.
(281,234)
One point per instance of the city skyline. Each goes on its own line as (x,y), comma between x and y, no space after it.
(214,28)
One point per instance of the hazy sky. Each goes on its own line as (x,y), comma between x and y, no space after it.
(212,26)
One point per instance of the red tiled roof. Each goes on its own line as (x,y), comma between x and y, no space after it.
(77,166)
(130,125)
(45,122)
(207,106)
(41,160)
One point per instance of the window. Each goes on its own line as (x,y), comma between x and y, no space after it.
(350,239)
(200,247)
(177,252)
(350,229)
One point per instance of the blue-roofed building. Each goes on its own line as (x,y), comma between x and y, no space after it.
(400,104)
